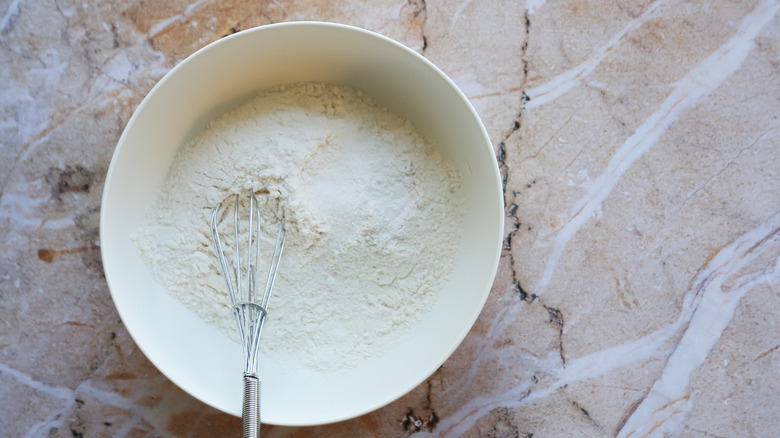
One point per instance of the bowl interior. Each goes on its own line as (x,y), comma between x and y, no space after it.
(195,355)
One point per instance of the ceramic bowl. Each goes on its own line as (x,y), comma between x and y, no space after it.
(199,358)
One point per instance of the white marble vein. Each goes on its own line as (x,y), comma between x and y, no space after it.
(17,205)
(707,309)
(687,92)
(10,15)
(461,421)
(26,380)
(534,5)
(161,25)
(561,84)
(85,389)
(457,13)
(579,369)
(710,307)
(77,74)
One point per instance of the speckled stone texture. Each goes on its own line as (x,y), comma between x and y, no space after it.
(638,290)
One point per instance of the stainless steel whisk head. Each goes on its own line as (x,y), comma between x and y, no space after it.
(248,306)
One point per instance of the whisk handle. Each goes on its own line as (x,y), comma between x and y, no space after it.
(250,414)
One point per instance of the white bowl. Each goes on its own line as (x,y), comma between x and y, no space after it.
(199,358)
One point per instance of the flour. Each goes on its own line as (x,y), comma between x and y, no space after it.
(372,216)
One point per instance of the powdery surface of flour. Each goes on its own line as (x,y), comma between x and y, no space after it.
(372,214)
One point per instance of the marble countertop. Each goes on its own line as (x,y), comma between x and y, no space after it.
(638,292)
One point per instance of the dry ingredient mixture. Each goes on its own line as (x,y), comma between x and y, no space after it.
(372,214)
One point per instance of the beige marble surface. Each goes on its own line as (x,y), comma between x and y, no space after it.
(639,287)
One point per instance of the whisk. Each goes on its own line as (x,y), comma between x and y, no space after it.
(249,308)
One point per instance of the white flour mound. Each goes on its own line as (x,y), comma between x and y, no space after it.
(372,215)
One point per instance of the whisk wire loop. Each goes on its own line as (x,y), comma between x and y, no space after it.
(237,265)
(248,308)
(275,259)
(223,265)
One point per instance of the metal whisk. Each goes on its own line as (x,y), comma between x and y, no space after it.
(249,308)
